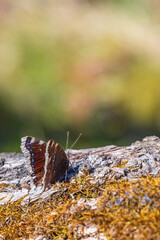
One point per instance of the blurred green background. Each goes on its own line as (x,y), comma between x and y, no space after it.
(83,66)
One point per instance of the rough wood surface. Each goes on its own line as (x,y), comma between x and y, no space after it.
(141,158)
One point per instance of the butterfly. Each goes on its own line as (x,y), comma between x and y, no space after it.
(48,161)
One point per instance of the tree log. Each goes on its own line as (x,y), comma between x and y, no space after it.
(141,158)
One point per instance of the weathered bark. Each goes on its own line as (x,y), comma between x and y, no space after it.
(130,162)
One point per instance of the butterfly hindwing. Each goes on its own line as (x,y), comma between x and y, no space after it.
(34,150)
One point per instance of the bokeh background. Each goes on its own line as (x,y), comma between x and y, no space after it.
(83,66)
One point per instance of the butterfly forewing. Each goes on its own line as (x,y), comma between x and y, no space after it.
(34,150)
(56,163)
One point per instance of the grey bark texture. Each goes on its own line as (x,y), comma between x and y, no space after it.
(141,158)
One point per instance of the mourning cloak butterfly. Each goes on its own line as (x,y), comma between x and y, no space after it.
(48,161)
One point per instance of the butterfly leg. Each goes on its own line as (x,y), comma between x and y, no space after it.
(66,173)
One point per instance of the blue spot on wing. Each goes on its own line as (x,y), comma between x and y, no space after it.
(32,160)
(32,154)
(35,179)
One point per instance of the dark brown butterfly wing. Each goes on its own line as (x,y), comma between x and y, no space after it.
(34,150)
(48,161)
(56,164)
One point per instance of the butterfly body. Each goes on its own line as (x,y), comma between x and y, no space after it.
(48,161)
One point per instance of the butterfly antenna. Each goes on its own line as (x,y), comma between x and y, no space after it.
(67,141)
(76,140)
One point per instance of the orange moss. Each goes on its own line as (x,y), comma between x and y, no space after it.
(123,210)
